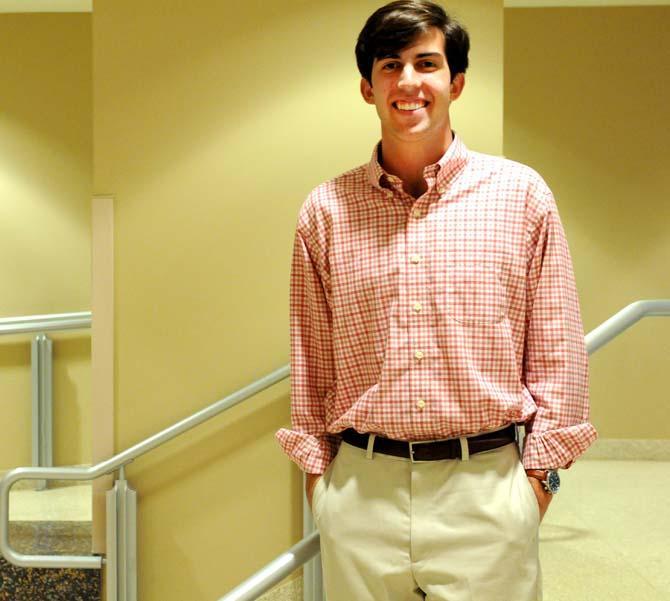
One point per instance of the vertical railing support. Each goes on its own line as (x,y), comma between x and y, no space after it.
(42,414)
(312,575)
(121,573)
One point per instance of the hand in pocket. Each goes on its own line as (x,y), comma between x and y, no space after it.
(310,484)
(543,497)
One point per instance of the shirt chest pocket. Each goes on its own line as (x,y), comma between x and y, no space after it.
(475,294)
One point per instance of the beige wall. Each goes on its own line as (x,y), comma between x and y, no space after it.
(212,123)
(45,192)
(586,104)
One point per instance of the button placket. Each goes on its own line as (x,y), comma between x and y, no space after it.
(416,286)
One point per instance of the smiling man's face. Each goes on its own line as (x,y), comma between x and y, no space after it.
(412,90)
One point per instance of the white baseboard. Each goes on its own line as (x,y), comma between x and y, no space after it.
(629,449)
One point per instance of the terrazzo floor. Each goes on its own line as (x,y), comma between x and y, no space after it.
(53,521)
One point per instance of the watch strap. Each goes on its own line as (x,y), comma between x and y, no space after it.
(541,475)
(550,479)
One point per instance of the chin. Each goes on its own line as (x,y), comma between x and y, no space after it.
(416,133)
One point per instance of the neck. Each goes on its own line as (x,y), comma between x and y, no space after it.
(407,160)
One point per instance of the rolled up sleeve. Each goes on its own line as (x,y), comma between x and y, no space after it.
(308,443)
(555,370)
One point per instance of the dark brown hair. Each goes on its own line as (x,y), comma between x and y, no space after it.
(397,24)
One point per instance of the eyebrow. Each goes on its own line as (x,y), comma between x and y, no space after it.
(420,55)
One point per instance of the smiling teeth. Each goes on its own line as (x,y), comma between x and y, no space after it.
(410,106)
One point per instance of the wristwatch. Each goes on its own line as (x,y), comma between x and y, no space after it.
(549,478)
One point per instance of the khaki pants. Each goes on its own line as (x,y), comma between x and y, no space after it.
(450,530)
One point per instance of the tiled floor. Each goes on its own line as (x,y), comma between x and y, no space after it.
(605,536)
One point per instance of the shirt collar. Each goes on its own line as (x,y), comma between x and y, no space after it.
(449,165)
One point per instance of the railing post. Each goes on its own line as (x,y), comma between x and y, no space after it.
(42,413)
(121,573)
(312,575)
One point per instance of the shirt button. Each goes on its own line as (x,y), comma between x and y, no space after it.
(416,213)
(421,403)
(388,193)
(415,258)
(441,189)
(418,354)
(417,307)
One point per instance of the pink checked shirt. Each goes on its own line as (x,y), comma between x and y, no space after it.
(436,317)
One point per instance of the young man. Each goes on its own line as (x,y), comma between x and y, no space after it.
(434,314)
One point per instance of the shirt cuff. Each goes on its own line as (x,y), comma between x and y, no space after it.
(311,453)
(553,449)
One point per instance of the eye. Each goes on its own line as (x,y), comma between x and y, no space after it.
(389,66)
(429,64)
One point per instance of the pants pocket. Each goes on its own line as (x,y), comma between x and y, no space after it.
(320,488)
(530,495)
(316,496)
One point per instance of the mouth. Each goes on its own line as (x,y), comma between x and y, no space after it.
(409,107)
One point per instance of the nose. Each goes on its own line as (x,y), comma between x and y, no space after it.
(408,77)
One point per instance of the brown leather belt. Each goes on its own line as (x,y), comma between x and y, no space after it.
(432,450)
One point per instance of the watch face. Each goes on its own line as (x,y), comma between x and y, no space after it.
(553,481)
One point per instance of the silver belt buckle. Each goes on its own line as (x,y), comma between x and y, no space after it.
(411,449)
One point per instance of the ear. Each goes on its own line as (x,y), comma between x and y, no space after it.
(366,91)
(457,86)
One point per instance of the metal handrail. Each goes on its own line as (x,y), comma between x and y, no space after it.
(274,572)
(277,569)
(305,549)
(107,467)
(45,323)
(41,364)
(623,320)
